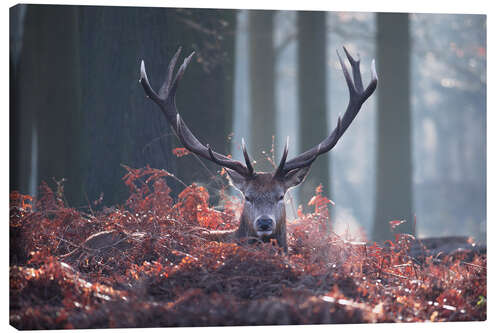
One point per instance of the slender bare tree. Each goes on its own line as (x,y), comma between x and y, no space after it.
(312,95)
(262,92)
(394,167)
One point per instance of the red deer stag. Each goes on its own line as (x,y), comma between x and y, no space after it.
(263,217)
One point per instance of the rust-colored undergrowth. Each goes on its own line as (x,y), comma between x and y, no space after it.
(147,264)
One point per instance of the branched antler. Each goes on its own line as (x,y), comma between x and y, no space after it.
(165,99)
(357,96)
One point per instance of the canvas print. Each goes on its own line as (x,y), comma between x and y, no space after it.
(227,167)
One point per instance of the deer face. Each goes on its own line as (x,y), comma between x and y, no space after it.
(264,206)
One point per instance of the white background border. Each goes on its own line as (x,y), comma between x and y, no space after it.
(421,6)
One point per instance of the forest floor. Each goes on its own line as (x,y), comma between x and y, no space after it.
(146,263)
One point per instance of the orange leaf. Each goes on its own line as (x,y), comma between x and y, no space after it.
(179,152)
(395,223)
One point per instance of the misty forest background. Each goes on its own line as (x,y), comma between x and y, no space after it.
(417,147)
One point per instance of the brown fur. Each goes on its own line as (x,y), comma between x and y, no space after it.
(263,196)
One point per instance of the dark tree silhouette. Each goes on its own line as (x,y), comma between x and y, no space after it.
(47,100)
(394,167)
(262,91)
(312,96)
(20,122)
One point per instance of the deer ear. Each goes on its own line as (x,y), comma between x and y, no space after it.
(296,177)
(236,179)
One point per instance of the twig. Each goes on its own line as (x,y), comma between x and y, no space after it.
(473,265)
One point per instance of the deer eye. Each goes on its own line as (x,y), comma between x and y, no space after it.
(281,197)
(247,198)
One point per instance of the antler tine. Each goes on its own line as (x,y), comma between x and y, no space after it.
(166,102)
(279,169)
(165,88)
(247,158)
(180,72)
(302,163)
(373,83)
(358,82)
(212,156)
(150,93)
(357,96)
(347,76)
(229,163)
(374,71)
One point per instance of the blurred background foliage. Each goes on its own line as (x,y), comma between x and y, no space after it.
(417,148)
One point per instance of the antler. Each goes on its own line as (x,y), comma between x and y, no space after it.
(165,99)
(357,96)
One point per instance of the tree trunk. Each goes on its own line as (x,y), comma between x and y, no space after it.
(21,121)
(312,97)
(122,125)
(48,92)
(262,92)
(394,167)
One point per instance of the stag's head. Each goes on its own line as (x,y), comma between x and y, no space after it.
(264,211)
(264,193)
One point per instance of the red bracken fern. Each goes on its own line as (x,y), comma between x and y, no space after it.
(146,263)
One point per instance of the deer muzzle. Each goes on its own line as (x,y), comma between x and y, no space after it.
(264,225)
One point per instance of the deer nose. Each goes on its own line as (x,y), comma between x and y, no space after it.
(264,224)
